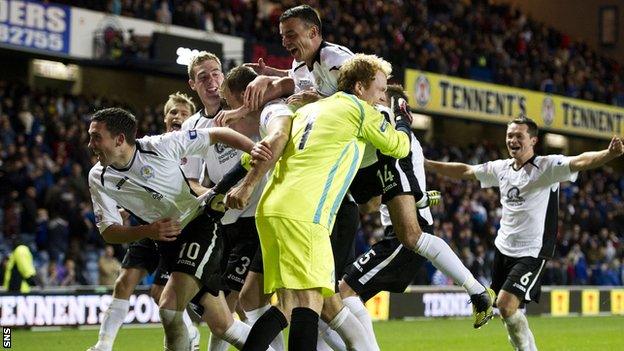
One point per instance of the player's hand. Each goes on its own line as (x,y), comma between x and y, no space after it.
(435,197)
(214,206)
(261,151)
(238,197)
(226,118)
(165,229)
(254,93)
(257,67)
(401,110)
(303,97)
(615,147)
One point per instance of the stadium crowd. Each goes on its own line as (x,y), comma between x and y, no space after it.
(44,200)
(471,39)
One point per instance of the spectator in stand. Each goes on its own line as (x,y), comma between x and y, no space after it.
(109,266)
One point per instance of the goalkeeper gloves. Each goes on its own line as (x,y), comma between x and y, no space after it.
(402,115)
(430,198)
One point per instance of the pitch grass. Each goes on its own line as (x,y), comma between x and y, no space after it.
(571,333)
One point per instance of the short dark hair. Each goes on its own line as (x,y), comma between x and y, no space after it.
(304,13)
(118,121)
(523,119)
(238,78)
(396,91)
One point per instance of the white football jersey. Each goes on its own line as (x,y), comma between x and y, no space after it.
(418,164)
(271,110)
(530,200)
(323,76)
(216,162)
(153,186)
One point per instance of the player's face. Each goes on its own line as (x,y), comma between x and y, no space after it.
(176,116)
(208,80)
(102,143)
(519,142)
(376,91)
(297,38)
(233,101)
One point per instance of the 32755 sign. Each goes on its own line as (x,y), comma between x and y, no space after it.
(35,25)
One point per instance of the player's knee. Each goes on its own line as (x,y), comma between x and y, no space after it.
(218,324)
(409,239)
(345,289)
(123,287)
(506,307)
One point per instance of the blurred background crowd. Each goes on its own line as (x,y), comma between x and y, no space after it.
(44,159)
(476,40)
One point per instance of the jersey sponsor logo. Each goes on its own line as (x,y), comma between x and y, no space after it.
(121,182)
(422,91)
(192,134)
(305,84)
(220,148)
(147,172)
(514,198)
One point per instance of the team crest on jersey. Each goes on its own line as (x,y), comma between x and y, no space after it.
(514,198)
(147,172)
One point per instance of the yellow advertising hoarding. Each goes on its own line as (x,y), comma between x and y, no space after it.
(560,302)
(590,303)
(617,301)
(435,93)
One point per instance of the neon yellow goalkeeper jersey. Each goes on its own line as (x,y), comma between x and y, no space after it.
(322,156)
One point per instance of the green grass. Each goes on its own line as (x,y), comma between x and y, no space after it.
(571,333)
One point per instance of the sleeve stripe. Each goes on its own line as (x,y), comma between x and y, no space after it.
(361,113)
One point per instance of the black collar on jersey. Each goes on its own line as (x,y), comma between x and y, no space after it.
(531,161)
(317,55)
(202,114)
(136,149)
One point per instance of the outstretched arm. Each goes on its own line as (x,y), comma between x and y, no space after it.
(455,170)
(237,140)
(593,159)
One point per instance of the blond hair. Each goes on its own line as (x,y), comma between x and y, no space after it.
(179,98)
(361,68)
(199,59)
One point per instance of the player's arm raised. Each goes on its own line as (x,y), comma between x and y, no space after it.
(593,159)
(455,170)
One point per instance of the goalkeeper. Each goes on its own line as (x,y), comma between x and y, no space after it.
(400,187)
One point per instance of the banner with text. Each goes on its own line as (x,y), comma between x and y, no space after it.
(71,309)
(435,93)
(35,25)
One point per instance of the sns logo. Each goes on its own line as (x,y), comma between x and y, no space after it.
(422,91)
(6,337)
(192,134)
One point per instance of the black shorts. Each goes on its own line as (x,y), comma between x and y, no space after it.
(240,246)
(387,266)
(144,254)
(196,252)
(520,276)
(366,184)
(397,177)
(343,237)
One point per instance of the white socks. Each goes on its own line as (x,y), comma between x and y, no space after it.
(329,339)
(176,334)
(252,316)
(443,258)
(357,307)
(112,321)
(520,335)
(351,331)
(215,343)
